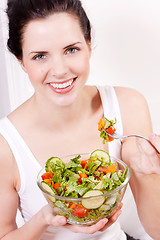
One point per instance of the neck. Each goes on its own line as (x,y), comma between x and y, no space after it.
(51,115)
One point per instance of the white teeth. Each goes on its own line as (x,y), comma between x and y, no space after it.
(62,85)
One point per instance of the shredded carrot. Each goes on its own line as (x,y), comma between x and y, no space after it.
(111,169)
(83,175)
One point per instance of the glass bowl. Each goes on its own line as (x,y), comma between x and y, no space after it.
(88,209)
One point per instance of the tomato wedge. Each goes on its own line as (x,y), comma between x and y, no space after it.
(110,130)
(80,211)
(47,175)
(83,164)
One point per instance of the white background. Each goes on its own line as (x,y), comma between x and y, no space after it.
(126,52)
(127,47)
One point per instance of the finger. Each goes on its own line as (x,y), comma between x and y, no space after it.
(57,221)
(155,140)
(113,218)
(145,147)
(88,229)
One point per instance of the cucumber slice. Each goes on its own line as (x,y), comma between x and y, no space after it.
(50,163)
(99,186)
(111,200)
(93,203)
(50,189)
(105,207)
(101,155)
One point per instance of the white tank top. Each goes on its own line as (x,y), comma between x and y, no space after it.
(32,200)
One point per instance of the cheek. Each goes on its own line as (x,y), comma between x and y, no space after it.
(83,66)
(35,74)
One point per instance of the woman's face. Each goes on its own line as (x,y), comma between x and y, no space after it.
(56,57)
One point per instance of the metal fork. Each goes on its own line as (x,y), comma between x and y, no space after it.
(118,136)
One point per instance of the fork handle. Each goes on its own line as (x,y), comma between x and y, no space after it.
(134,135)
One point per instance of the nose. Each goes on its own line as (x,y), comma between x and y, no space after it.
(58,67)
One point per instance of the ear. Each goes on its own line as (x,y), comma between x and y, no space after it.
(22,64)
(90,49)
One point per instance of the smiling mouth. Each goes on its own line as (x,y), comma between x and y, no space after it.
(63,85)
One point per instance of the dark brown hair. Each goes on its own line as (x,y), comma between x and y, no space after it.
(21,12)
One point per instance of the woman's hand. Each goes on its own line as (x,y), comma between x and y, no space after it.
(146,190)
(101,225)
(50,218)
(149,160)
(55,220)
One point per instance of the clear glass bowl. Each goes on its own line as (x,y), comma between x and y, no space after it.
(110,200)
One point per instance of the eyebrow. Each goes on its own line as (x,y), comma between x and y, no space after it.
(71,45)
(45,52)
(38,52)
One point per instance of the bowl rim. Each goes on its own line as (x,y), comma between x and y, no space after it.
(57,197)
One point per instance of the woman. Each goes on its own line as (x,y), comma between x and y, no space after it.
(52,41)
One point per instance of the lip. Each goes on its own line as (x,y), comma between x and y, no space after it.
(65,89)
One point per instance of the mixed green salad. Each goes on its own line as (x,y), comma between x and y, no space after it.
(84,184)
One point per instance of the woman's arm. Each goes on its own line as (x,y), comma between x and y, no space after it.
(150,162)
(36,226)
(9,200)
(144,181)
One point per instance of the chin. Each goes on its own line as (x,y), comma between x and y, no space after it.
(65,101)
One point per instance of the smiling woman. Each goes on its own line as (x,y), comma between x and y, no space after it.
(52,42)
(56,63)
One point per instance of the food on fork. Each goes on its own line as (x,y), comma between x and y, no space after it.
(106,126)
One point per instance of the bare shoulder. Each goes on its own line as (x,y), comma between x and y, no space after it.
(134,110)
(8,191)
(7,160)
(131,95)
(5,149)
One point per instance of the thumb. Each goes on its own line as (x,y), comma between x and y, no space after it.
(58,221)
(155,140)
(143,145)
